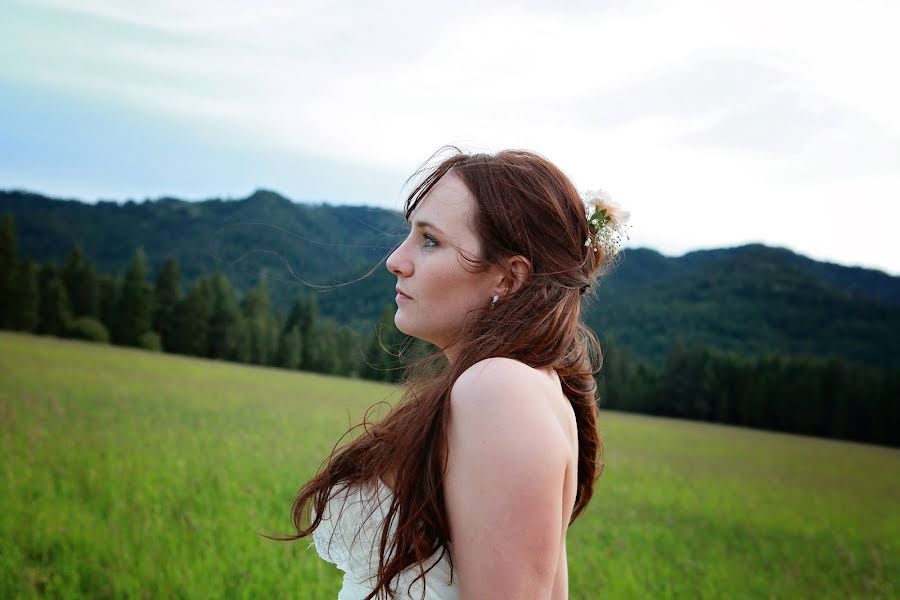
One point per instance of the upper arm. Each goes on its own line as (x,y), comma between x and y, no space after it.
(503,487)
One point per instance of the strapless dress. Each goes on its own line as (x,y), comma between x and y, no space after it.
(349,536)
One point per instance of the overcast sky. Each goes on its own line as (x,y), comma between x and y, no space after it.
(715,123)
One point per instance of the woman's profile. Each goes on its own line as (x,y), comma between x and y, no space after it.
(466,488)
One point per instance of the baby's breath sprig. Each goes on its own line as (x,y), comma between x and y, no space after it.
(607,222)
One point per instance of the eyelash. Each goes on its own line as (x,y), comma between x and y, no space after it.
(428,238)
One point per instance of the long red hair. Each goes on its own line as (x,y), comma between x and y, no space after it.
(524,206)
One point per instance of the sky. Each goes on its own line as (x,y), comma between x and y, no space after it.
(714,123)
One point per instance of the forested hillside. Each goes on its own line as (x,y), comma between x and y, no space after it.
(751,299)
(748,336)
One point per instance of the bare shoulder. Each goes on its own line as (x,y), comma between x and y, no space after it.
(505,392)
(496,368)
(505,480)
(499,379)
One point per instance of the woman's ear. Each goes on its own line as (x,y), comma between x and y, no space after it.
(518,271)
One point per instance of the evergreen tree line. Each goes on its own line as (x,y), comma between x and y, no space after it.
(830,398)
(805,395)
(207,320)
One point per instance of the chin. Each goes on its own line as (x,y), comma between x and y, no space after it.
(410,329)
(401,326)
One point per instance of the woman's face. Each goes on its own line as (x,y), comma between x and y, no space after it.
(438,290)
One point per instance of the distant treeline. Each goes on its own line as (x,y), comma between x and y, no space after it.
(807,395)
(823,397)
(209,321)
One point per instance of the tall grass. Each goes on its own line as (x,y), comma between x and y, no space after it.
(128,474)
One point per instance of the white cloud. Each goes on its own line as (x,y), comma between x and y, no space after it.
(716,123)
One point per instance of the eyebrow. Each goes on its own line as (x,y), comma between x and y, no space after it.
(424,224)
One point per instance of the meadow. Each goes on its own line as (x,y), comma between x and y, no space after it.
(130,474)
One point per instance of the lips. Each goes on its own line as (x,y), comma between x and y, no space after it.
(399,291)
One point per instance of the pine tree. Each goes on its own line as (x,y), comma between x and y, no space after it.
(729,374)
(303,317)
(70,272)
(303,314)
(612,378)
(888,428)
(89,292)
(312,342)
(108,289)
(55,313)
(227,333)
(290,349)
(168,293)
(25,298)
(190,320)
(260,328)
(135,305)
(326,358)
(80,278)
(349,356)
(8,265)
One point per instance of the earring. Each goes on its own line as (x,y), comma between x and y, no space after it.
(494,301)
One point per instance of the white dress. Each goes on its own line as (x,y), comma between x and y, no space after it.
(349,536)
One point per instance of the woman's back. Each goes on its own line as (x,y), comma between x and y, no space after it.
(511,479)
(566,416)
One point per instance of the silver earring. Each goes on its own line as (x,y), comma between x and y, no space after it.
(494,301)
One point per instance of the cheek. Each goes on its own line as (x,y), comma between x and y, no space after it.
(446,292)
(457,292)
(451,283)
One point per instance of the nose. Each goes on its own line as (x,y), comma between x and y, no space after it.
(397,263)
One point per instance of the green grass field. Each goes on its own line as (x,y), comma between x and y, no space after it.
(133,474)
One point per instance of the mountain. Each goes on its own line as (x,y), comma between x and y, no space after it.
(750,299)
(265,232)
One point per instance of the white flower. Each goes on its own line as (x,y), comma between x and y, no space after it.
(618,214)
(601,201)
(609,224)
(594,196)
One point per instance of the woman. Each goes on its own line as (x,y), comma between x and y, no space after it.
(467,487)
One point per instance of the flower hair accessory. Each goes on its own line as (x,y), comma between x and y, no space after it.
(606,222)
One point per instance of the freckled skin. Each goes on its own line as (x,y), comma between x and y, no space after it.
(431,271)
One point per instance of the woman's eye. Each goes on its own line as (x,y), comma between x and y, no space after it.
(430,242)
